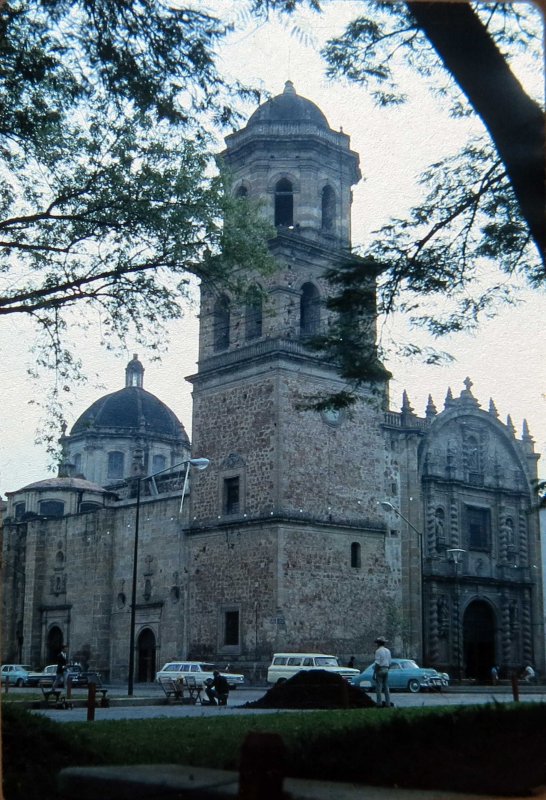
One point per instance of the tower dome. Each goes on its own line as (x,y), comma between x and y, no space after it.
(302,171)
(104,440)
(288,107)
(131,409)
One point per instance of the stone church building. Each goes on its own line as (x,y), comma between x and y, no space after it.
(307,531)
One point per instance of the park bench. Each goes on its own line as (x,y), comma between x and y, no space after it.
(104,701)
(174,690)
(55,697)
(194,689)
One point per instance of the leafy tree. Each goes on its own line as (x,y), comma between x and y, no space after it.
(111,203)
(480,227)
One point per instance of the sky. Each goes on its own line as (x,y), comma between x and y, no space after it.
(504,359)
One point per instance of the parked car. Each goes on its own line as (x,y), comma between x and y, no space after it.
(285,665)
(16,674)
(79,676)
(45,677)
(200,670)
(405,675)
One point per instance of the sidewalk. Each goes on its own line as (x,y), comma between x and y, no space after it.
(162,781)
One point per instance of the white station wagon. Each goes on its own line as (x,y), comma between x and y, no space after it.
(198,670)
(285,665)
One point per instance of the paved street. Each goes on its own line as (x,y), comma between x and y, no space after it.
(151,709)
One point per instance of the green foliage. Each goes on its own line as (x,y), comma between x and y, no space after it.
(495,749)
(469,244)
(114,208)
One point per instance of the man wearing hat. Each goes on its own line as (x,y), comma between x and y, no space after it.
(382,663)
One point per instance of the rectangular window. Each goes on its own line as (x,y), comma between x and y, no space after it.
(159,463)
(231,495)
(478,528)
(51,508)
(19,510)
(115,464)
(231,629)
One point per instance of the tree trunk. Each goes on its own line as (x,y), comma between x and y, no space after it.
(514,121)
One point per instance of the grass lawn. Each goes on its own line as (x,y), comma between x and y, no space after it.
(495,749)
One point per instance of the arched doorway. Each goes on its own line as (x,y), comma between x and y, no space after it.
(479,640)
(146,656)
(54,644)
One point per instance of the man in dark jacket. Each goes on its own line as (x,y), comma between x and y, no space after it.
(217,689)
(61,664)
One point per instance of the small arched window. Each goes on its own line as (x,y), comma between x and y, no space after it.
(78,463)
(284,203)
(116,463)
(356,560)
(242,191)
(88,506)
(253,316)
(328,208)
(309,309)
(222,315)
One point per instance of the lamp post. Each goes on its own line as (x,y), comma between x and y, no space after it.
(198,463)
(455,553)
(386,506)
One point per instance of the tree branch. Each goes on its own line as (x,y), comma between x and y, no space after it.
(514,121)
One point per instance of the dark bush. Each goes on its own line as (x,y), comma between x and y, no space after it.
(314,688)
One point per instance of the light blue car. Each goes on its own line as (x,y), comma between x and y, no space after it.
(406,676)
(15,674)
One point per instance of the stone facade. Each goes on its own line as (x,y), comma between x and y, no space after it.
(284,541)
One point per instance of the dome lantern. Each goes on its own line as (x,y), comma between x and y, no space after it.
(134,373)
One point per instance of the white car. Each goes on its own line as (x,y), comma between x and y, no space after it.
(199,670)
(286,665)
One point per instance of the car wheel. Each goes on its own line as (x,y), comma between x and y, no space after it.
(414,686)
(19,682)
(280,682)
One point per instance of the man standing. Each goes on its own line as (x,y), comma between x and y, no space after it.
(61,664)
(381,672)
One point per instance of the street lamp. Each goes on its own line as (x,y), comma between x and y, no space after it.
(386,506)
(455,554)
(198,463)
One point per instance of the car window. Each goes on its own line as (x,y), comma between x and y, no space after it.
(195,668)
(408,664)
(394,665)
(307,662)
(280,660)
(324,661)
(294,662)
(171,668)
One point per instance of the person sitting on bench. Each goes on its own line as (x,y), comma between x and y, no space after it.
(217,689)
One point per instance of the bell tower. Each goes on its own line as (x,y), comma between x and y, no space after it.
(301,487)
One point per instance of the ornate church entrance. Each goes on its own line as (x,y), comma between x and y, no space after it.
(54,644)
(479,640)
(146,656)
